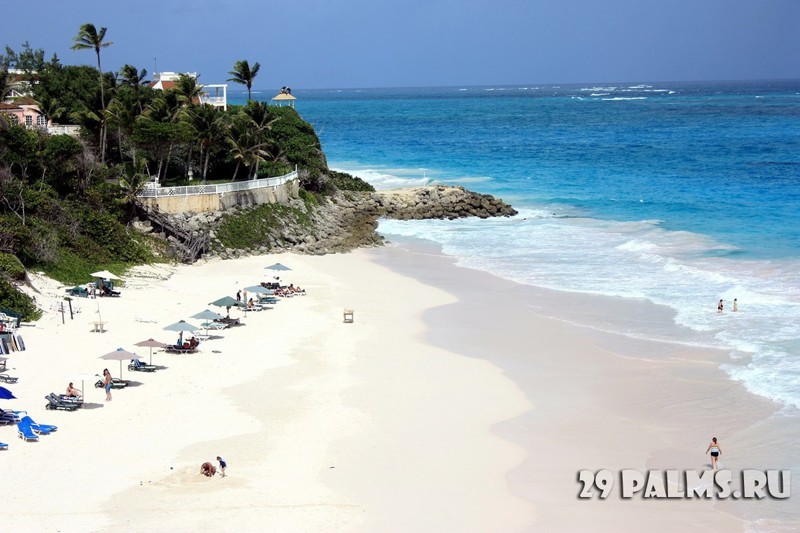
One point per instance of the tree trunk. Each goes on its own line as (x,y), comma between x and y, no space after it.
(205,165)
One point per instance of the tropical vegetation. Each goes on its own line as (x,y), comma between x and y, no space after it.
(67,204)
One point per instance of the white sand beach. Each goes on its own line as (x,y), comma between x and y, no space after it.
(448,404)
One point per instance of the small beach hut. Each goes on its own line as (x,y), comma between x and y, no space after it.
(284,98)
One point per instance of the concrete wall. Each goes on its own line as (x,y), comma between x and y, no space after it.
(200,203)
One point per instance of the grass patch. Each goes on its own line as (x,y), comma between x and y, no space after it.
(251,229)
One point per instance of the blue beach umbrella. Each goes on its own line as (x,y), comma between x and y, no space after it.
(5,394)
(277,266)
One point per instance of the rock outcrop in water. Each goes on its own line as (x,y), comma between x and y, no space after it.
(342,222)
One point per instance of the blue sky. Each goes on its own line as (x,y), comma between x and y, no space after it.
(409,43)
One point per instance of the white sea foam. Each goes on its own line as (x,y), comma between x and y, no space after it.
(599,94)
(620,98)
(388,178)
(556,247)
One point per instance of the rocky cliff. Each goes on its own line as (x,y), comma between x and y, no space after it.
(339,223)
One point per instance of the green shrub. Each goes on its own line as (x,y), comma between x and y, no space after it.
(18,302)
(11,267)
(346,182)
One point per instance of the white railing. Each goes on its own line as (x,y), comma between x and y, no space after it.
(151,191)
(213,100)
(64,129)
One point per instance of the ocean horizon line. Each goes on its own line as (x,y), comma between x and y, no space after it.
(742,81)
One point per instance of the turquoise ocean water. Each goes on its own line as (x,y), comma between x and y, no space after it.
(681,194)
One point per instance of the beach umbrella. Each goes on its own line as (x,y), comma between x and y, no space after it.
(226,302)
(207,314)
(181,326)
(120,355)
(105,274)
(277,266)
(258,289)
(5,394)
(150,343)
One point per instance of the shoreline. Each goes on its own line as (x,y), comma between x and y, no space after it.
(685,392)
(448,404)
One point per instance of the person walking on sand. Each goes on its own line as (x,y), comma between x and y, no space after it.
(735,305)
(222,465)
(107,383)
(719,307)
(715,450)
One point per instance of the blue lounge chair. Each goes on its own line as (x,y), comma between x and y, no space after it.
(139,366)
(39,429)
(3,446)
(25,431)
(11,417)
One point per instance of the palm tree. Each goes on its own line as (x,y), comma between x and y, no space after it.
(133,180)
(209,127)
(244,74)
(134,78)
(129,75)
(89,38)
(187,89)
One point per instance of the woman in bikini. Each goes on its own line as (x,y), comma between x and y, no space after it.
(73,392)
(715,451)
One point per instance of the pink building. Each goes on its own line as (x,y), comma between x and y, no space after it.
(25,111)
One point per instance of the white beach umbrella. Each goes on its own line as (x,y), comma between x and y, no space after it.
(120,355)
(150,343)
(105,274)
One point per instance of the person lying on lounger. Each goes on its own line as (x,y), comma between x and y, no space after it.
(73,392)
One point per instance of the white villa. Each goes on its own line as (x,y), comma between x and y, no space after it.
(215,94)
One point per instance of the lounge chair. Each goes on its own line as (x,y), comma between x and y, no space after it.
(7,378)
(56,403)
(39,429)
(214,325)
(116,383)
(3,446)
(139,366)
(77,400)
(229,321)
(25,431)
(11,417)
(108,291)
(174,348)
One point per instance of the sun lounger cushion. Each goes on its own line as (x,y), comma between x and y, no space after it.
(25,431)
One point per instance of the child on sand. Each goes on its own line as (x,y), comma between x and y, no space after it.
(222,465)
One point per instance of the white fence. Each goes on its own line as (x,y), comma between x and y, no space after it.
(151,191)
